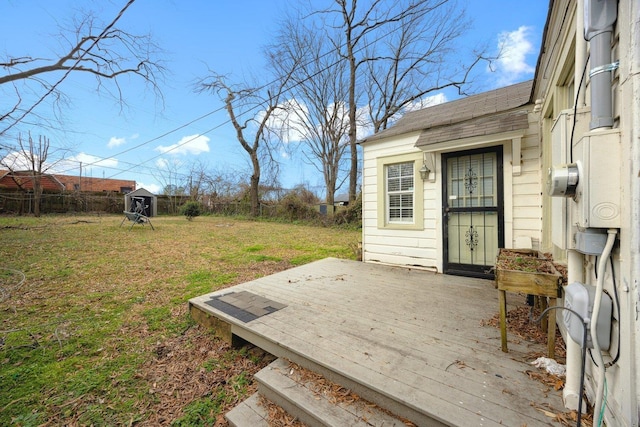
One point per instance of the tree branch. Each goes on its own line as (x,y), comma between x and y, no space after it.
(95,54)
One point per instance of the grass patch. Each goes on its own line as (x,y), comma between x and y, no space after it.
(100,325)
(203,282)
(201,412)
(254,248)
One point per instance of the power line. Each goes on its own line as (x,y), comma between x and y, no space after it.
(160,137)
(288,90)
(244,113)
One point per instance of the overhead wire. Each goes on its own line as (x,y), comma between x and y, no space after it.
(157,138)
(225,122)
(365,45)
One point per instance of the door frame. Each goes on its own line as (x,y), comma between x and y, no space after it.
(468,269)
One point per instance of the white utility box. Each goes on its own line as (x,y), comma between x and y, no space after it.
(597,202)
(580,298)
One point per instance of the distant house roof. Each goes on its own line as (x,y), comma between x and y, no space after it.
(87,183)
(23,180)
(344,197)
(482,114)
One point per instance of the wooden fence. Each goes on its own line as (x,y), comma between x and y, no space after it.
(22,203)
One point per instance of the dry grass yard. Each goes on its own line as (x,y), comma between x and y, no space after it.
(97,331)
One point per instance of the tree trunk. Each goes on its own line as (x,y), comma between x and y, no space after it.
(353,138)
(37,194)
(330,201)
(254,194)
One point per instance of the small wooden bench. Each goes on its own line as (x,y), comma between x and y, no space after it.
(136,218)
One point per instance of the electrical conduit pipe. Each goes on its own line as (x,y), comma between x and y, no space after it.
(571,391)
(575,260)
(602,265)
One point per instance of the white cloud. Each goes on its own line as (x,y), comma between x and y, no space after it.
(286,121)
(429,101)
(88,163)
(89,160)
(514,48)
(114,141)
(152,188)
(364,125)
(68,166)
(162,163)
(16,160)
(192,144)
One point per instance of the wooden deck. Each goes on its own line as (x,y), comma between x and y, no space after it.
(411,341)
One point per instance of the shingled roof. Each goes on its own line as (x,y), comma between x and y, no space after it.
(482,114)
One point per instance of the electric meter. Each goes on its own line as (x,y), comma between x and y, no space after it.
(562,180)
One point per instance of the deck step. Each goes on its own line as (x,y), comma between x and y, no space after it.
(248,414)
(313,409)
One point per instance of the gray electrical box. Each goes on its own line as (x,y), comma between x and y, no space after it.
(590,241)
(580,298)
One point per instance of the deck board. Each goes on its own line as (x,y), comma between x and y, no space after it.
(411,335)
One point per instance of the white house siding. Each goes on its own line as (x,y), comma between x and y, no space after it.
(423,247)
(623,377)
(526,196)
(391,245)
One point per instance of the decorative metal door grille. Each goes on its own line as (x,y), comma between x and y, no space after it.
(473,218)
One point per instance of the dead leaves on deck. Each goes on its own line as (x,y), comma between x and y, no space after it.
(547,379)
(334,393)
(278,417)
(519,324)
(566,419)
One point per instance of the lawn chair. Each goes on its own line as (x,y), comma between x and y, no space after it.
(137,216)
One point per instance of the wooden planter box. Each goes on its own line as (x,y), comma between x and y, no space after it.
(528,272)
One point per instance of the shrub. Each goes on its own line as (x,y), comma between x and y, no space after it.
(352,215)
(293,208)
(191,210)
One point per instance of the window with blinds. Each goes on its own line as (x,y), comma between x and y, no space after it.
(400,192)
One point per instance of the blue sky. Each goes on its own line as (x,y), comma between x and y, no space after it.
(196,35)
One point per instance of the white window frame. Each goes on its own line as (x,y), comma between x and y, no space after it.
(398,187)
(417,223)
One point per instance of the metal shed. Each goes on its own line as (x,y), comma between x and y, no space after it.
(148,201)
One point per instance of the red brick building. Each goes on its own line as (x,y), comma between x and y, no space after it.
(85,183)
(23,180)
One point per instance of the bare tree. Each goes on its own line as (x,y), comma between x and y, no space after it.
(30,161)
(415,60)
(174,182)
(360,32)
(258,103)
(107,54)
(224,185)
(317,111)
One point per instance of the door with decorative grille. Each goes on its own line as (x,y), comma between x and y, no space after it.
(473,211)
